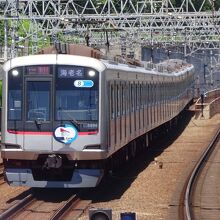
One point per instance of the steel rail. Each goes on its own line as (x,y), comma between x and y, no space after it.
(17,207)
(72,201)
(195,173)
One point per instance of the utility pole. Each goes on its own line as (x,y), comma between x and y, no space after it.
(5,40)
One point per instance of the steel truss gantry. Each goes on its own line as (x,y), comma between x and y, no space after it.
(157,23)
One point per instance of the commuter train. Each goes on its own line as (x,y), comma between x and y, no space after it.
(66,119)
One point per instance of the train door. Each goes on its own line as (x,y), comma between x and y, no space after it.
(153,103)
(112,124)
(127,116)
(159,102)
(148,106)
(38,113)
(118,114)
(128,112)
(156,102)
(142,115)
(162,101)
(137,109)
(123,114)
(167,100)
(15,107)
(132,111)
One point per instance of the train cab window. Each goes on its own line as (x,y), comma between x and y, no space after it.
(15,84)
(38,100)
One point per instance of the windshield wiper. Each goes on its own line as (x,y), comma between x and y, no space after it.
(38,123)
(72,120)
(75,123)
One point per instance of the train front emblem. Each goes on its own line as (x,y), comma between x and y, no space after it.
(65,134)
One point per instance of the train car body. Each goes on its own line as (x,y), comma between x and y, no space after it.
(64,116)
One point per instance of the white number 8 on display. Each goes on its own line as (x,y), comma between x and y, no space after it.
(83,83)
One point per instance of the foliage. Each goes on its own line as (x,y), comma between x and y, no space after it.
(197,4)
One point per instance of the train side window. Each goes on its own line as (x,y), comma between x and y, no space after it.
(148,94)
(135,103)
(145,93)
(123,102)
(167,91)
(121,98)
(118,100)
(132,98)
(152,93)
(142,95)
(126,98)
(160,93)
(112,100)
(137,97)
(129,98)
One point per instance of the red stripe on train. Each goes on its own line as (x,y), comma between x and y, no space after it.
(47,133)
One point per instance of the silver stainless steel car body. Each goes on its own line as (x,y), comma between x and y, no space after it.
(131,102)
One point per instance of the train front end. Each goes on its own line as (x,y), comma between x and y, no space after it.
(51,127)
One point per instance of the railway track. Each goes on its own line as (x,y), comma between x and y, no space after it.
(35,207)
(186,208)
(12,211)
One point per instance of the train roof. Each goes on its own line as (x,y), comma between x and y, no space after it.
(172,67)
(169,67)
(45,59)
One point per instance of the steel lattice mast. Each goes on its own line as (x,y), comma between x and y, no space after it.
(147,22)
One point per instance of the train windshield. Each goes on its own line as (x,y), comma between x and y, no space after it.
(77,96)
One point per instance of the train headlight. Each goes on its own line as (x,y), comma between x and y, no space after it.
(15,72)
(102,214)
(91,73)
